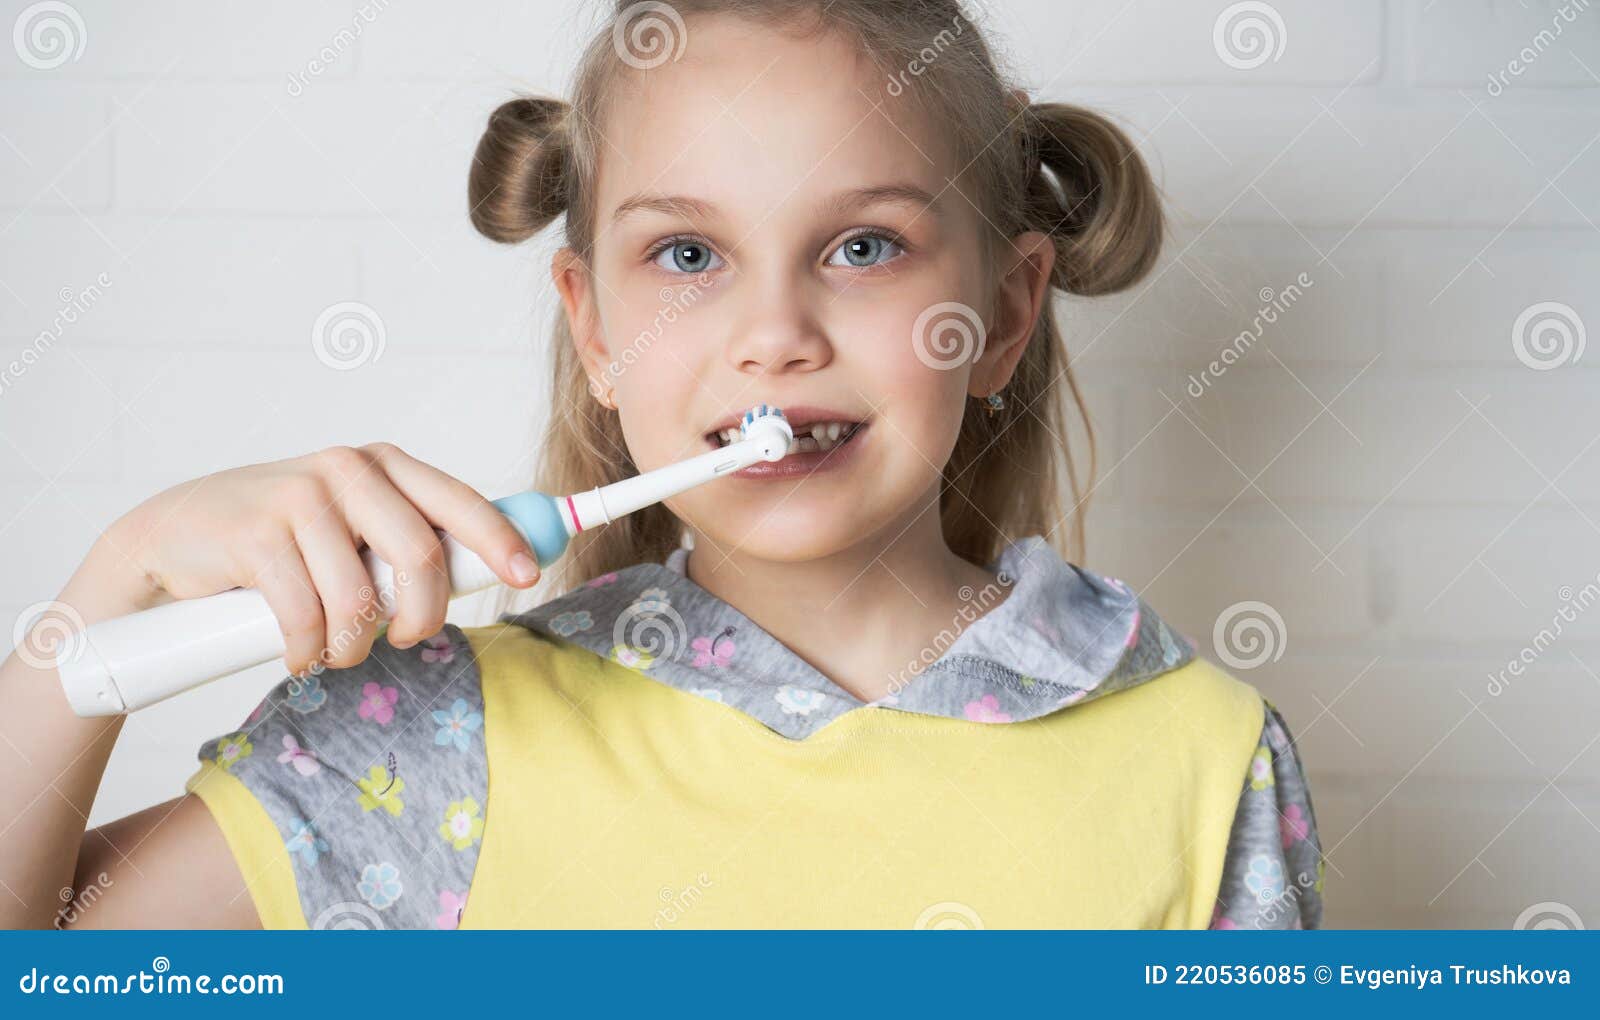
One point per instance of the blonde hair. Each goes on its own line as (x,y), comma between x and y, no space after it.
(1060,169)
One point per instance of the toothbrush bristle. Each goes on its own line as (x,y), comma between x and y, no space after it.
(758,411)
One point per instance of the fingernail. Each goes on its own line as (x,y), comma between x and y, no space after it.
(523,568)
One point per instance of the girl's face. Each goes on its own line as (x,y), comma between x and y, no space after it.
(773,226)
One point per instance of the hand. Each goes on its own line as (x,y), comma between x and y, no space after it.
(292,529)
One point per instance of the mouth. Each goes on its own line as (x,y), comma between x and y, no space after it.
(815,430)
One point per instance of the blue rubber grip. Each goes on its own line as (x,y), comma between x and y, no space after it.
(539,518)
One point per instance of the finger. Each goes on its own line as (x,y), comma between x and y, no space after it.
(398,533)
(456,507)
(344,588)
(282,579)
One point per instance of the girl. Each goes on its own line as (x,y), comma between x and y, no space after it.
(857,688)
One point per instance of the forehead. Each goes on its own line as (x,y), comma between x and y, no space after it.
(762,122)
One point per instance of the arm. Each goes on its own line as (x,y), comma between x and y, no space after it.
(290,529)
(167,866)
(1272,876)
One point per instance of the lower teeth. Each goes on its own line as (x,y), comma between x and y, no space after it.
(810,444)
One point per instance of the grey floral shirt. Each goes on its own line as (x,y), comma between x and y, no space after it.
(383,819)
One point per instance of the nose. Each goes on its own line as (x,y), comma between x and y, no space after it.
(778,330)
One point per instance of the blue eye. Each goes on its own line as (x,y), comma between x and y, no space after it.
(865,250)
(687,257)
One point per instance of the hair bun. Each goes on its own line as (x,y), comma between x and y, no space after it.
(1102,207)
(520,172)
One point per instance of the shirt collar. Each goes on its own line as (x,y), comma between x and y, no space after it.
(1064,636)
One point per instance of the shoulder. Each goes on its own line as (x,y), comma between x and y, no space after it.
(374,781)
(1222,713)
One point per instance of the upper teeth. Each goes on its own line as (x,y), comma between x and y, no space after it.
(825,433)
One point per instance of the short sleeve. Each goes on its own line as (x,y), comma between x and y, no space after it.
(357,797)
(1272,876)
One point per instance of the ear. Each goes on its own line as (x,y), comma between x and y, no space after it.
(1024,285)
(583,315)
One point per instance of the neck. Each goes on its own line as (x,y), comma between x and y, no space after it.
(859,615)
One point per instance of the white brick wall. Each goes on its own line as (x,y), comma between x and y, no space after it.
(1420,498)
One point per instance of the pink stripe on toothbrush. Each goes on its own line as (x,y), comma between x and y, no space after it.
(573,511)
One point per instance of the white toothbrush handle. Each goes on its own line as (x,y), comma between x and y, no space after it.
(122,664)
(603,505)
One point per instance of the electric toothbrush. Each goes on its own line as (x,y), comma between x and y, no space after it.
(116,666)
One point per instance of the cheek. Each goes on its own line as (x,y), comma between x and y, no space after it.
(907,361)
(657,367)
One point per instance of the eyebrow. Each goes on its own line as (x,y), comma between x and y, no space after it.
(906,194)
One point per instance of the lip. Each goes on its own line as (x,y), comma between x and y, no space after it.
(804,465)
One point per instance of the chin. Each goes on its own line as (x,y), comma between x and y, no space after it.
(791,534)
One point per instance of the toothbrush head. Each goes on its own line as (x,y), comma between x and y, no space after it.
(768,424)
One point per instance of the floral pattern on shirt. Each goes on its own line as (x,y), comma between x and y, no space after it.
(1272,876)
(372,767)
